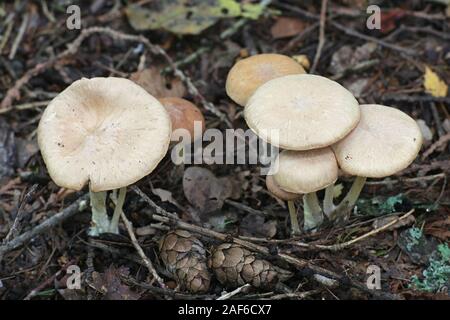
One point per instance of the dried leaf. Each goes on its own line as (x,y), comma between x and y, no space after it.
(286,27)
(157,85)
(110,284)
(402,223)
(204,191)
(254,225)
(433,84)
(188,16)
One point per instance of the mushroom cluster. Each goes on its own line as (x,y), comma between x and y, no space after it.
(105,132)
(322,128)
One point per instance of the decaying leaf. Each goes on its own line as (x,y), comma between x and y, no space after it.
(286,27)
(158,85)
(254,225)
(188,16)
(402,223)
(433,84)
(204,191)
(110,284)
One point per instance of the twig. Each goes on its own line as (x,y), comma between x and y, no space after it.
(140,251)
(14,92)
(407,180)
(348,31)
(9,25)
(323,17)
(14,228)
(297,262)
(244,207)
(294,295)
(26,106)
(341,246)
(19,36)
(438,144)
(47,282)
(44,226)
(157,208)
(228,295)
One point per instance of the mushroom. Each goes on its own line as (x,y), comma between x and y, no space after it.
(108,132)
(305,172)
(279,193)
(385,142)
(250,73)
(188,125)
(185,116)
(308,111)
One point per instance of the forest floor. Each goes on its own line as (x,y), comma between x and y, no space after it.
(404,64)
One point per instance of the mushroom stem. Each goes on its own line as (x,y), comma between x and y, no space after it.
(118,202)
(313,215)
(328,205)
(343,210)
(100,220)
(295,227)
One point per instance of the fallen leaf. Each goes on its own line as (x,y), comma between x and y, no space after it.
(110,284)
(402,223)
(303,60)
(158,85)
(188,16)
(390,18)
(204,191)
(254,225)
(348,56)
(164,195)
(433,84)
(286,27)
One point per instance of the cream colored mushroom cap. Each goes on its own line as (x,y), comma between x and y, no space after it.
(385,141)
(305,171)
(250,73)
(307,111)
(275,189)
(106,131)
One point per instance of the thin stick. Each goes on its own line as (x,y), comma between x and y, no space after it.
(51,222)
(141,253)
(18,39)
(323,17)
(228,295)
(340,246)
(14,92)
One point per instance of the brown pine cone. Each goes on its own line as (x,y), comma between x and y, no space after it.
(185,258)
(235,266)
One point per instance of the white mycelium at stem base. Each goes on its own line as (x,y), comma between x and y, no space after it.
(105,132)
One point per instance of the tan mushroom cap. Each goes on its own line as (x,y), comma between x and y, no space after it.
(183,115)
(278,192)
(305,171)
(250,73)
(385,141)
(106,131)
(307,111)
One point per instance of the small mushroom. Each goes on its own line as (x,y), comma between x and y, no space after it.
(185,116)
(307,111)
(108,132)
(305,172)
(250,73)
(385,142)
(275,190)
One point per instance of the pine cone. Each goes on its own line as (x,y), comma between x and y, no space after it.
(185,258)
(235,266)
